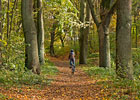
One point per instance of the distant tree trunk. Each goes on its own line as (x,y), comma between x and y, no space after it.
(40,28)
(62,38)
(74,41)
(8,21)
(87,19)
(135,22)
(62,41)
(30,32)
(12,14)
(124,66)
(91,45)
(82,59)
(0,32)
(136,36)
(136,29)
(52,53)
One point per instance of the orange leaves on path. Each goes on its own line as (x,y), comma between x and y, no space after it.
(64,87)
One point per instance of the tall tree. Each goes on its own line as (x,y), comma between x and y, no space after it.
(87,19)
(40,29)
(84,32)
(124,66)
(82,59)
(106,11)
(30,32)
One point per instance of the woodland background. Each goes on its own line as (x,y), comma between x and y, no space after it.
(103,33)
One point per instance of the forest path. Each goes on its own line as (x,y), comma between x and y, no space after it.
(64,86)
(67,86)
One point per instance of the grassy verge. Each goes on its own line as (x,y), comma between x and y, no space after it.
(22,77)
(113,87)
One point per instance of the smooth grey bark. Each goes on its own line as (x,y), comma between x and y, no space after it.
(103,32)
(0,32)
(124,66)
(86,34)
(82,59)
(30,32)
(104,46)
(40,29)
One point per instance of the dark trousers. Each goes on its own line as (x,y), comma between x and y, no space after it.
(72,64)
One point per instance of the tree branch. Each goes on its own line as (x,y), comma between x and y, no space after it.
(91,6)
(109,14)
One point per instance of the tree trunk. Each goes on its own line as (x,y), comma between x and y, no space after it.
(103,27)
(12,15)
(136,29)
(82,59)
(91,45)
(0,32)
(87,19)
(52,53)
(136,36)
(104,46)
(30,32)
(74,41)
(124,66)
(40,28)
(62,41)
(8,22)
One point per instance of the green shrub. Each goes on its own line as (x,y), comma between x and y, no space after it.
(100,72)
(18,77)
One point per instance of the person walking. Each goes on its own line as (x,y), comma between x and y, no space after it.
(72,60)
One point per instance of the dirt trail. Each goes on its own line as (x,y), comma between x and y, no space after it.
(72,87)
(64,87)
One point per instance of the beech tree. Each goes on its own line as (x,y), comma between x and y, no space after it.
(84,31)
(40,31)
(106,10)
(30,32)
(83,38)
(124,66)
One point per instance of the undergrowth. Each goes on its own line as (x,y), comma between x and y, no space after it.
(21,77)
(120,89)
